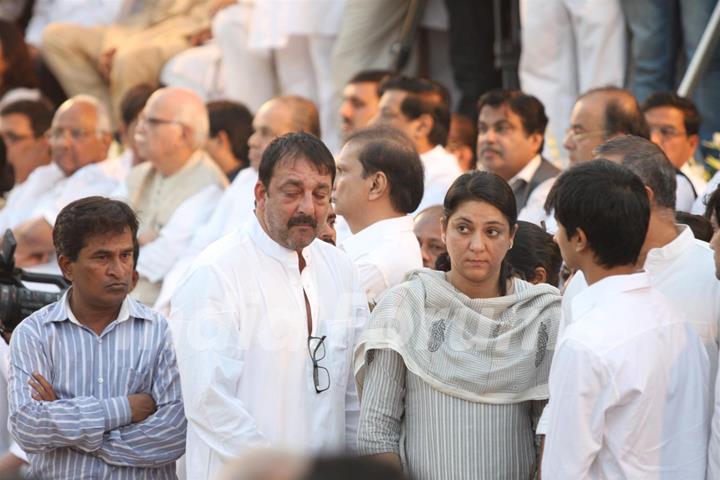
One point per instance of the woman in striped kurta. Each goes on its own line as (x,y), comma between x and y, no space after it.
(452,369)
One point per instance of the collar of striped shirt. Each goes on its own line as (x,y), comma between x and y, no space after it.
(60,311)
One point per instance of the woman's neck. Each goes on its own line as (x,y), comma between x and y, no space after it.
(486,289)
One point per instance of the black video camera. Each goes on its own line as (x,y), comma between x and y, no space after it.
(16,300)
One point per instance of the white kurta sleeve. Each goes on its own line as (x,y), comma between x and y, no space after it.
(352,402)
(579,388)
(158,257)
(714,449)
(205,323)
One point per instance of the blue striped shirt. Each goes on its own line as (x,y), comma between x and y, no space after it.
(87,433)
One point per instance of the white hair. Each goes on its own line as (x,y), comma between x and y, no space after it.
(101,111)
(192,113)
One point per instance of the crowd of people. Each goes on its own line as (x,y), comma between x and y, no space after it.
(289,261)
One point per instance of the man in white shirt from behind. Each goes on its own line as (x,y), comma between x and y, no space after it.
(276,117)
(265,323)
(79,142)
(420,108)
(630,377)
(379,182)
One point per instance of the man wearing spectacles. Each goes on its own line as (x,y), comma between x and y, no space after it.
(265,322)
(175,190)
(599,115)
(79,139)
(674,124)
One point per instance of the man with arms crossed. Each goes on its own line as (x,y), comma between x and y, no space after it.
(94,387)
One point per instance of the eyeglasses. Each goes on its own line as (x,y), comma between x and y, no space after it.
(155,122)
(666,132)
(321,375)
(76,134)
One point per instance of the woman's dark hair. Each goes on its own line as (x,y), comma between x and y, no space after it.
(91,216)
(352,468)
(712,205)
(15,53)
(484,187)
(534,247)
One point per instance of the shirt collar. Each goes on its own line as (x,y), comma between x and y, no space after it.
(599,292)
(61,311)
(673,249)
(273,249)
(372,236)
(528,170)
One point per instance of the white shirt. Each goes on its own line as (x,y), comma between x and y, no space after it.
(232,211)
(698,207)
(441,170)
(81,12)
(384,253)
(628,388)
(534,209)
(684,195)
(240,332)
(23,199)
(683,271)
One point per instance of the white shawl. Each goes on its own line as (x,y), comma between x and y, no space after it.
(492,350)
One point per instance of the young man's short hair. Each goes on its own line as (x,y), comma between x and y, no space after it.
(236,121)
(609,203)
(91,216)
(423,97)
(390,151)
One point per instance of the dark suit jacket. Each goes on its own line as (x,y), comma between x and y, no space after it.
(545,171)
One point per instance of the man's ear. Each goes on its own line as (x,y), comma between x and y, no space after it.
(135,278)
(443,228)
(66,267)
(424,125)
(580,239)
(536,140)
(650,195)
(694,140)
(378,186)
(260,194)
(222,136)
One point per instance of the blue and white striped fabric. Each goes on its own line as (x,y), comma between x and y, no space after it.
(88,433)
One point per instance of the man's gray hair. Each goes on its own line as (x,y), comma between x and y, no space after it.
(103,116)
(193,114)
(647,161)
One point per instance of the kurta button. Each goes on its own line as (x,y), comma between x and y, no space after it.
(100,380)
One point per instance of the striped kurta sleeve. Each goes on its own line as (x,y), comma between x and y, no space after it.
(382,405)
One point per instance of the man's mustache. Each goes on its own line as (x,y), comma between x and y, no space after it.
(302,220)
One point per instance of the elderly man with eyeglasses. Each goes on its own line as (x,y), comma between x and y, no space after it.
(265,322)
(79,138)
(175,190)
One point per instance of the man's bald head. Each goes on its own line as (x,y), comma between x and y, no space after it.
(172,126)
(278,116)
(601,114)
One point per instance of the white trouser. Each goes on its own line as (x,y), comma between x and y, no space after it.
(302,68)
(569,47)
(199,69)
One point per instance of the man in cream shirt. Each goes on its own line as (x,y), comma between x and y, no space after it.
(176,189)
(265,323)
(379,182)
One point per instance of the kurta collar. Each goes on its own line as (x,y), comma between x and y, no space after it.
(673,249)
(273,249)
(599,292)
(372,236)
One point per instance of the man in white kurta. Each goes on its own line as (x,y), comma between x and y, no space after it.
(630,379)
(265,323)
(379,182)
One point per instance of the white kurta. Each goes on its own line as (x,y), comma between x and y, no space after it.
(235,207)
(240,331)
(441,170)
(628,388)
(23,199)
(384,253)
